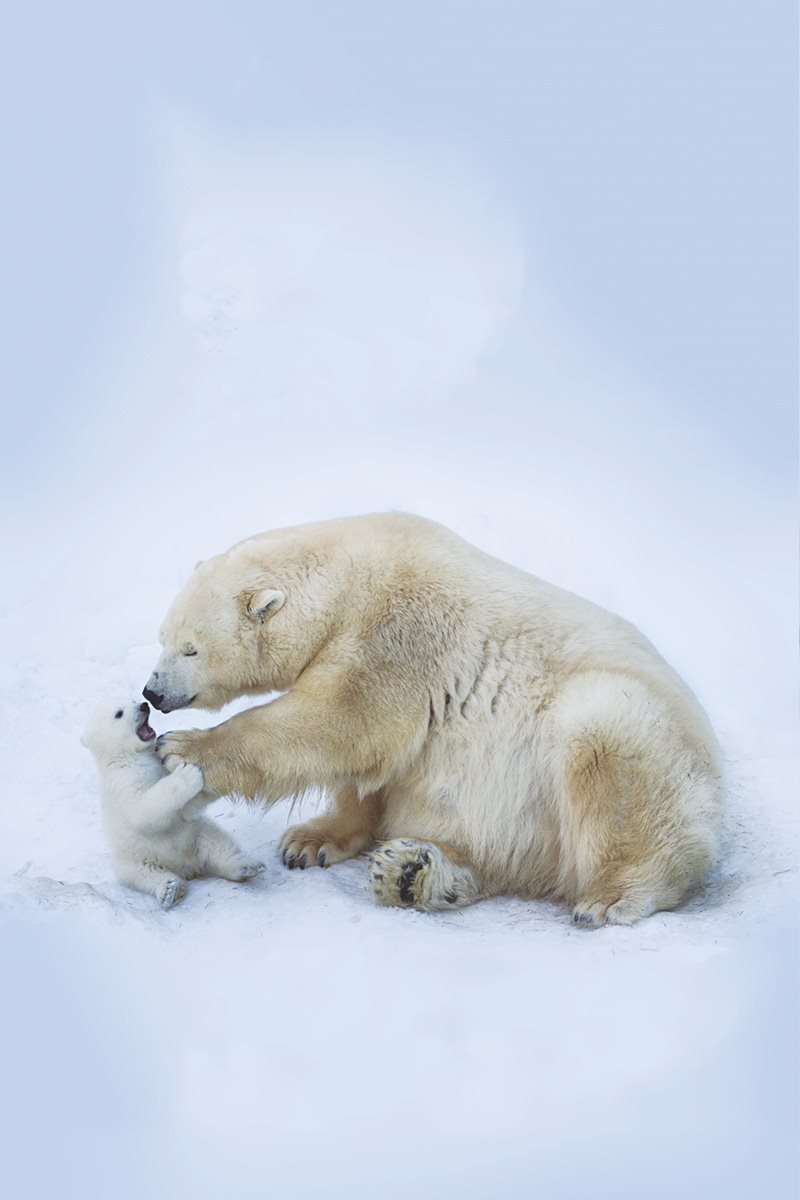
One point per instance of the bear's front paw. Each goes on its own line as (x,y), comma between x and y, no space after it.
(179,748)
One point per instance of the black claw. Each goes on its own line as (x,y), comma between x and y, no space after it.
(289,860)
(302,861)
(450,897)
(322,858)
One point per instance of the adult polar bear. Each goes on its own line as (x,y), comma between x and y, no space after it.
(482,731)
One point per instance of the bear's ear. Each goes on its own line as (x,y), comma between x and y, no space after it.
(263,604)
(199,563)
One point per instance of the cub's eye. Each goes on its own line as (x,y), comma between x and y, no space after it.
(189,652)
(117,715)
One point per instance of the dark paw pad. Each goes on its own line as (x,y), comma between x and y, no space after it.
(408,875)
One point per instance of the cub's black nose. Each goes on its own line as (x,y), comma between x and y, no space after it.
(145,708)
(153,697)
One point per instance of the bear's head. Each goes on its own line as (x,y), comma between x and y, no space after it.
(118,727)
(214,638)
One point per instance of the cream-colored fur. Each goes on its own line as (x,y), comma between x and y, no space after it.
(157,838)
(492,733)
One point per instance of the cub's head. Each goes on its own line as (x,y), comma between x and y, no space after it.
(118,727)
(214,638)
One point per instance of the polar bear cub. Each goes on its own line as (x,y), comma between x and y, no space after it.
(151,818)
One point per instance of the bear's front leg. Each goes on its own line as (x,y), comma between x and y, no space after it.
(222,753)
(230,764)
(316,737)
(349,827)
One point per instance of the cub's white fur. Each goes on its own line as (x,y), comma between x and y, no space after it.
(151,818)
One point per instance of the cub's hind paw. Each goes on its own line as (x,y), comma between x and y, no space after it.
(171,892)
(248,870)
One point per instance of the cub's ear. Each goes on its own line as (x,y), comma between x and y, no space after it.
(263,604)
(84,741)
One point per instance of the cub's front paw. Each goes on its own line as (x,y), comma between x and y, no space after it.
(189,777)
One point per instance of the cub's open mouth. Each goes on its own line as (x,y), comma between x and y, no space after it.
(144,731)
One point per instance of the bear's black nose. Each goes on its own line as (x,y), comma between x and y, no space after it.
(153,697)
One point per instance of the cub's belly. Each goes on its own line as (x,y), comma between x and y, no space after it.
(172,848)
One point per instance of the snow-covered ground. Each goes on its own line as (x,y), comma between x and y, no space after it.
(340,330)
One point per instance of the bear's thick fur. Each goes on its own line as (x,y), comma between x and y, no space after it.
(480,730)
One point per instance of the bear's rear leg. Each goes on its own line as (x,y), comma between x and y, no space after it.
(415,874)
(634,837)
(625,909)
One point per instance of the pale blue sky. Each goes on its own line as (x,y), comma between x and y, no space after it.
(649,149)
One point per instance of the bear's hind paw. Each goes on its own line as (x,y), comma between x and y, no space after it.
(412,874)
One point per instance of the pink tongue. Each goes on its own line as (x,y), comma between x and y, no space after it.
(146,733)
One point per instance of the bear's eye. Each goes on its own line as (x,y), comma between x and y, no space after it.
(189,652)
(117,715)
